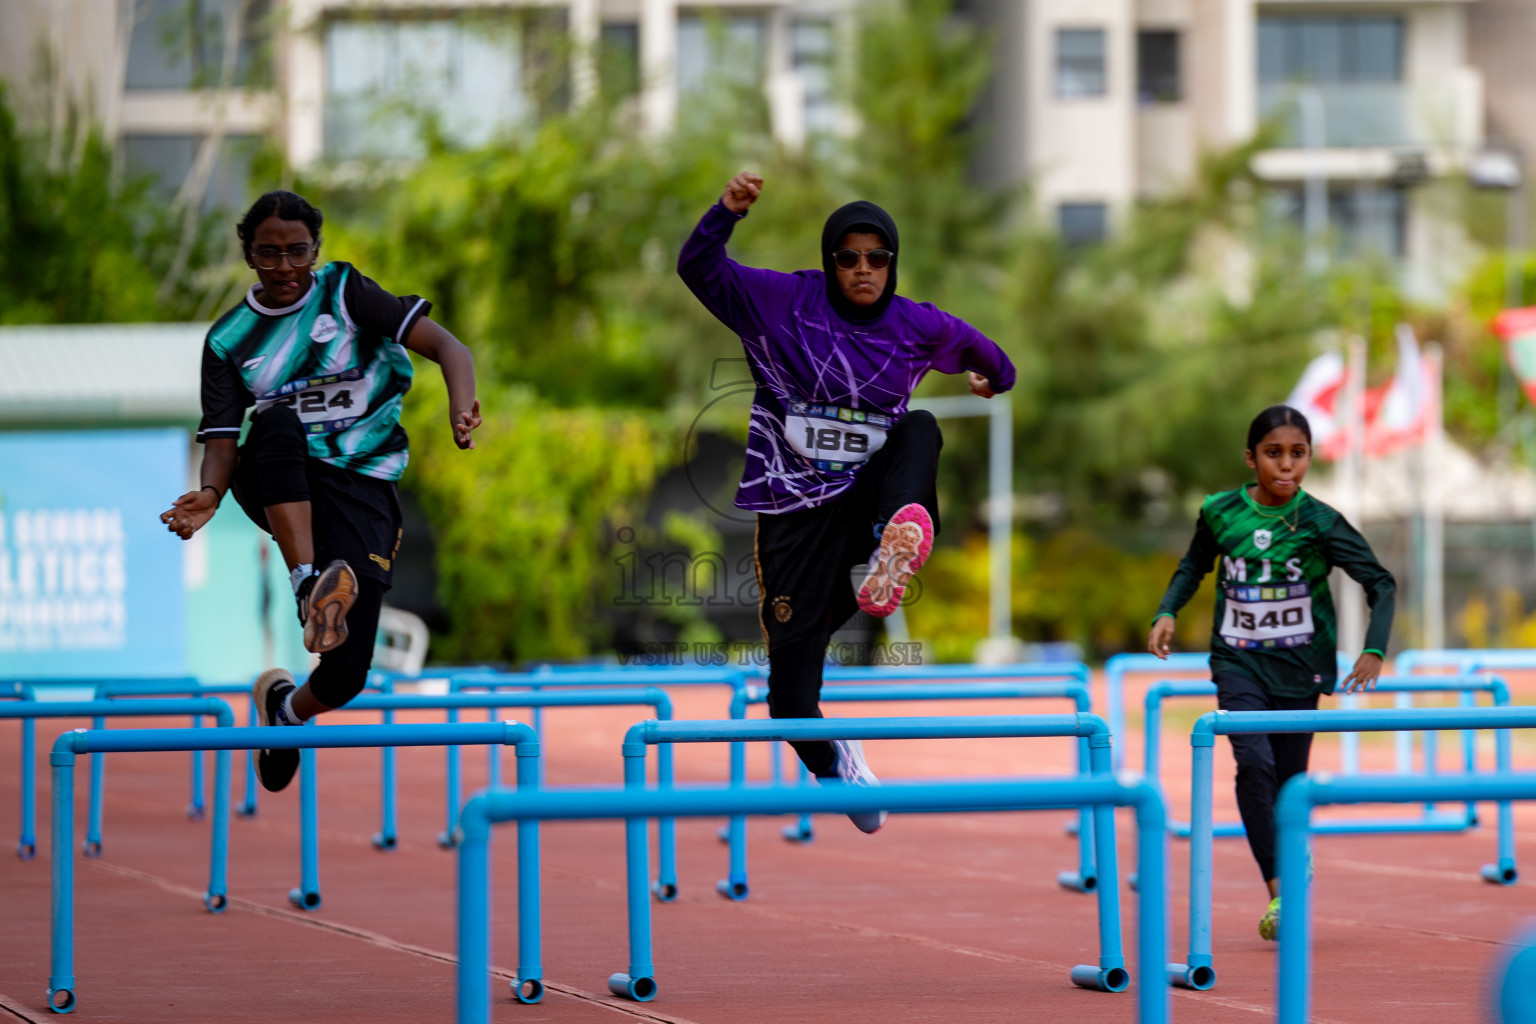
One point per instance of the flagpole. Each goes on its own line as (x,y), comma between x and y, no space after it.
(1432,498)
(1351,472)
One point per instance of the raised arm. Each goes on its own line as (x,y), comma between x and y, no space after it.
(965,348)
(732,292)
(432,340)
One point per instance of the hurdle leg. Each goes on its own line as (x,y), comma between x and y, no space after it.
(26,844)
(1085,878)
(387,837)
(1152,909)
(1110,975)
(665,886)
(447,838)
(734,886)
(528,986)
(248,805)
(217,896)
(1505,872)
(474,927)
(802,831)
(1469,752)
(61,972)
(195,809)
(92,845)
(1296,923)
(492,754)
(639,982)
(307,895)
(1198,972)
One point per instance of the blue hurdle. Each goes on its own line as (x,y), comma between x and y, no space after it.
(1110,975)
(635,806)
(386,837)
(1084,879)
(1293,815)
(98,711)
(1198,972)
(1429,822)
(1120,665)
(61,978)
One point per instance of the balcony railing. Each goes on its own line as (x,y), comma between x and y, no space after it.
(1352,115)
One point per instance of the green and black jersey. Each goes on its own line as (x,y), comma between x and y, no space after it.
(1275,620)
(337,356)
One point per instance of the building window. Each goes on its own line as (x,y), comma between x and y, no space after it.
(813,53)
(1330,49)
(1363,220)
(1080,62)
(1082,224)
(715,48)
(179,44)
(390,81)
(166,161)
(1334,80)
(618,59)
(1157,67)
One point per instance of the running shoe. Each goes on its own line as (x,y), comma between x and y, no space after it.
(324,600)
(1269,924)
(274,768)
(853,770)
(904,546)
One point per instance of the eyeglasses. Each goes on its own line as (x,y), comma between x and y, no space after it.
(847,259)
(298,257)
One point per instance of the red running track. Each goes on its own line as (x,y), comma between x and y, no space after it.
(937,918)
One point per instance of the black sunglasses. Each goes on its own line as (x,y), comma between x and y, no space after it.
(847,259)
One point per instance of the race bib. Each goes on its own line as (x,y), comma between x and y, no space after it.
(325,404)
(834,439)
(1260,617)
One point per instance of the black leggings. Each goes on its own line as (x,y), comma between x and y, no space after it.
(803,563)
(275,468)
(1265,761)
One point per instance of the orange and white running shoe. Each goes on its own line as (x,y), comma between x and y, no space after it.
(905,544)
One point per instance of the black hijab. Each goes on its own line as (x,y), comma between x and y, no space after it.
(863,217)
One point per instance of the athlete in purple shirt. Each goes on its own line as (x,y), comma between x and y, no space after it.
(840,473)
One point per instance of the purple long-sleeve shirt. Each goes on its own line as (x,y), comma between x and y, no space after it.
(828,389)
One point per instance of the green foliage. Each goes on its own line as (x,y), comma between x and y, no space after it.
(524,521)
(1070,585)
(70,243)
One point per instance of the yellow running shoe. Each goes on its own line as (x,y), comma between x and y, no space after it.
(1269,924)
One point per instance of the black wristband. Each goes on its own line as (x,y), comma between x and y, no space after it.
(218,494)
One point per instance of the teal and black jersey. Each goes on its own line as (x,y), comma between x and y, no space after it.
(1275,621)
(337,356)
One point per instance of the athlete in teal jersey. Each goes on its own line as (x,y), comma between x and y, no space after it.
(1274,638)
(323,357)
(337,357)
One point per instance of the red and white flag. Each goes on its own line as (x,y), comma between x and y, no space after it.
(1518,329)
(1398,414)
(1319,397)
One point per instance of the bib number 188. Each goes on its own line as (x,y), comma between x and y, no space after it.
(830,439)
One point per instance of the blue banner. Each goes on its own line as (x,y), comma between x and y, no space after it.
(90,579)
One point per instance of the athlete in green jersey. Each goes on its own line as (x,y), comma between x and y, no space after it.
(1274,640)
(322,355)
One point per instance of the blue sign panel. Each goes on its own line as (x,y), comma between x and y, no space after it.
(90,579)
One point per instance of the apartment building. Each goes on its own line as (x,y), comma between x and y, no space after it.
(1099,103)
(1106,102)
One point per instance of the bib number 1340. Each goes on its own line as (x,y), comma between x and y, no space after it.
(1260,617)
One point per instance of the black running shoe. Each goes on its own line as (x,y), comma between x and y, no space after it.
(274,768)
(324,600)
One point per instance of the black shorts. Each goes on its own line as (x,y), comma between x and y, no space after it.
(354,518)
